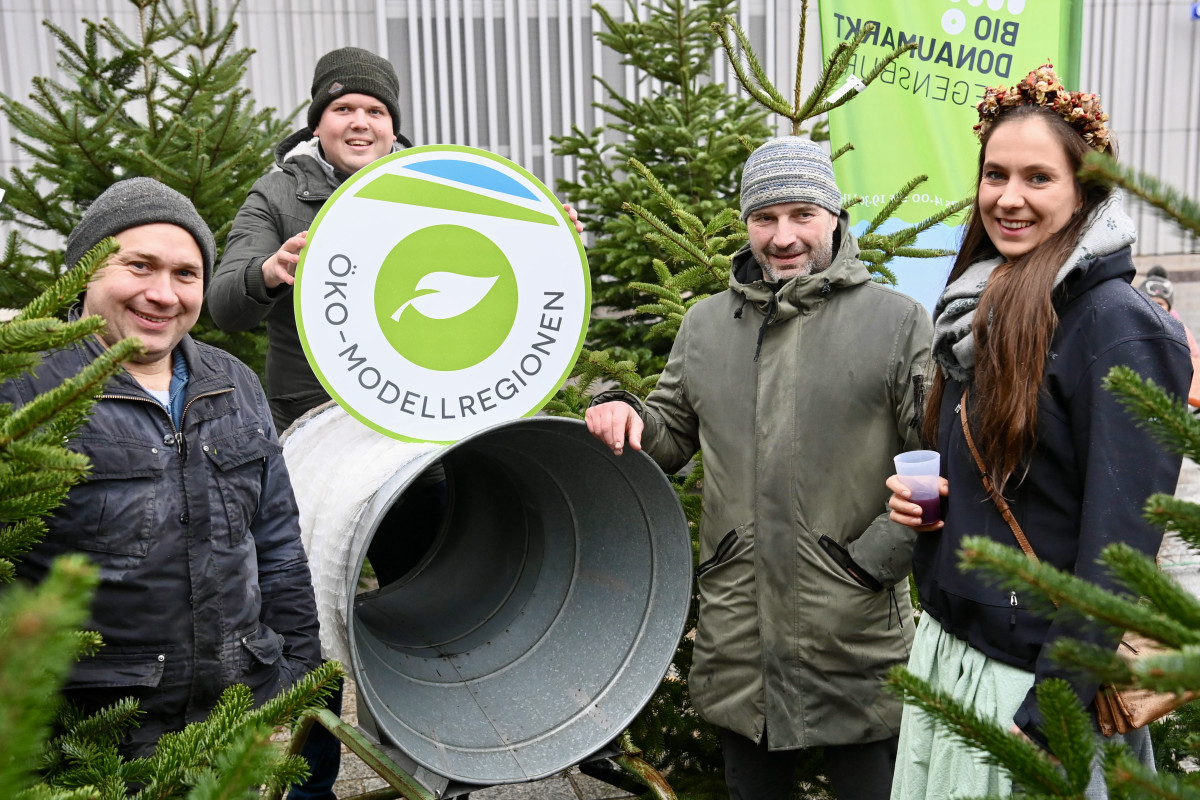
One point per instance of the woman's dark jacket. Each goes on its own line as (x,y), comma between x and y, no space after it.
(1090,474)
(203,579)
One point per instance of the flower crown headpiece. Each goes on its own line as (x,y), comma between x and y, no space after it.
(1042,87)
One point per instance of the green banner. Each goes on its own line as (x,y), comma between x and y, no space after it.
(917,116)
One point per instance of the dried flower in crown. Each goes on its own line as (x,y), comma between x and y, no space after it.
(1042,87)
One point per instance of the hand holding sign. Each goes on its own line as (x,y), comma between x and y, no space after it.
(280,268)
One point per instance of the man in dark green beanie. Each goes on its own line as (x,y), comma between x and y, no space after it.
(353,120)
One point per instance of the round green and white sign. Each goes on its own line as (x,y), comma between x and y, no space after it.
(442,290)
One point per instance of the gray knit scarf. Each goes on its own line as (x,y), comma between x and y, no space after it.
(1108,230)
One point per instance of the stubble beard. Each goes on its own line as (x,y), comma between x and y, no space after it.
(820,258)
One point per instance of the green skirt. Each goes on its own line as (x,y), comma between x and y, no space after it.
(932,764)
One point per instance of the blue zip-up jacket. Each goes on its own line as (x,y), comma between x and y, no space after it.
(203,579)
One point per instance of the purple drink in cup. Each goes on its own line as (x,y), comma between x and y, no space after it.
(919,470)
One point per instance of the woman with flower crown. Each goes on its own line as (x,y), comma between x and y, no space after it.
(1036,310)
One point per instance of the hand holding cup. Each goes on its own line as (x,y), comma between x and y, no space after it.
(919,471)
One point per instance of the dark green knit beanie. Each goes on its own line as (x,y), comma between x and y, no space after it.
(352,70)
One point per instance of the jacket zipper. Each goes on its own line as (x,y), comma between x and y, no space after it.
(1012,619)
(185,518)
(176,434)
(762,330)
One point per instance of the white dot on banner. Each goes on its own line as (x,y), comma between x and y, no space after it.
(954,21)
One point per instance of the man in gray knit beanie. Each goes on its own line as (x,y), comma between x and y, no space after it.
(790,204)
(152,288)
(188,513)
(801,381)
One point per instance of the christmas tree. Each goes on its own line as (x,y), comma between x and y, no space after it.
(227,755)
(1153,605)
(688,136)
(167,104)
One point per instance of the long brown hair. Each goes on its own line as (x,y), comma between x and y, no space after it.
(1015,320)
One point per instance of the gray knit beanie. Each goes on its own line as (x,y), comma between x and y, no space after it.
(352,70)
(139,201)
(789,170)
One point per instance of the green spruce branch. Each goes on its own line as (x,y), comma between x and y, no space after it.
(1012,569)
(38,646)
(1166,418)
(1173,204)
(758,84)
(1024,760)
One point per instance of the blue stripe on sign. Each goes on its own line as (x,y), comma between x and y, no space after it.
(473,174)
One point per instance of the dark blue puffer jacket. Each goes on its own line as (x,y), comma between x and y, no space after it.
(203,579)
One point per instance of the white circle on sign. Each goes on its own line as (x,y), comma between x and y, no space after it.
(954,21)
(442,290)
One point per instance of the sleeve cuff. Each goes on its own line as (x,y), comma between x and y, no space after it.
(256,289)
(1029,719)
(618,395)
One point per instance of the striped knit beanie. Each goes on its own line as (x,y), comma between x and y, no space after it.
(789,170)
(352,70)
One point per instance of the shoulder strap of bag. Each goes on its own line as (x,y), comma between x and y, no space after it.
(1001,503)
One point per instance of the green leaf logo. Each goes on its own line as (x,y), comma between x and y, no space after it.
(446,297)
(447,294)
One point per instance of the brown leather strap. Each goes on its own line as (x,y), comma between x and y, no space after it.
(1001,503)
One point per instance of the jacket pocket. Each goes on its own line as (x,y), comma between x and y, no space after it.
(843,559)
(259,661)
(111,669)
(240,462)
(113,510)
(724,548)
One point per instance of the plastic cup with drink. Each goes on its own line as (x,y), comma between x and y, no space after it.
(920,471)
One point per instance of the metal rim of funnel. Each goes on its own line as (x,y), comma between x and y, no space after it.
(599,712)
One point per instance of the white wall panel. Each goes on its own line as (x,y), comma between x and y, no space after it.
(1143,58)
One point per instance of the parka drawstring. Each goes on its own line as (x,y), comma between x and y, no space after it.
(762,330)
(738,314)
(825,287)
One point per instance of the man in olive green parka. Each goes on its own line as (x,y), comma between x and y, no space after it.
(800,383)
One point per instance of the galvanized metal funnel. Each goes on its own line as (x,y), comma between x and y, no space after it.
(539,611)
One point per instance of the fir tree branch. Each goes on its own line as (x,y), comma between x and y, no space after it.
(824,107)
(1127,779)
(85,385)
(1145,579)
(37,649)
(1167,419)
(71,285)
(1171,513)
(1015,570)
(894,203)
(750,74)
(1068,730)
(1025,760)
(1173,204)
